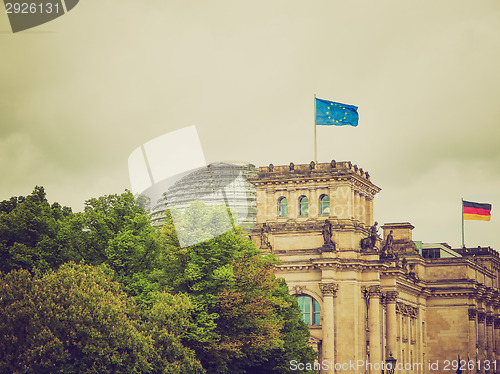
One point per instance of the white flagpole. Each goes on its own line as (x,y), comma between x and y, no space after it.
(463,242)
(315,138)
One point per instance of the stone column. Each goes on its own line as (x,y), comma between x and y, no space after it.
(472,337)
(356,206)
(271,207)
(362,208)
(313,202)
(391,324)
(497,342)
(374,327)
(293,205)
(481,338)
(369,210)
(329,291)
(490,342)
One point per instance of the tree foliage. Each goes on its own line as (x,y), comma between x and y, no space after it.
(77,320)
(241,308)
(114,230)
(29,230)
(218,297)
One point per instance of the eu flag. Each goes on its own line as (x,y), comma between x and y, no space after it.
(330,113)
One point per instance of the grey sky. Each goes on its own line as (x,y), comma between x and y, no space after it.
(79,94)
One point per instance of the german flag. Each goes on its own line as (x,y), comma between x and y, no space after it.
(476,211)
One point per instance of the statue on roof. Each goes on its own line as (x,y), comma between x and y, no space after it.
(264,240)
(370,242)
(328,244)
(387,250)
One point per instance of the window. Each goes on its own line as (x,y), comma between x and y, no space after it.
(282,207)
(310,309)
(431,253)
(324,205)
(303,206)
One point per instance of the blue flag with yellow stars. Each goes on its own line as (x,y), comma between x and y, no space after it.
(329,113)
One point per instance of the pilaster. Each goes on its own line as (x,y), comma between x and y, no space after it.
(329,291)
(390,298)
(472,336)
(374,327)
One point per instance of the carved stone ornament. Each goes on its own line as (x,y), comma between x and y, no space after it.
(312,165)
(374,291)
(481,316)
(329,289)
(391,296)
(299,290)
(271,167)
(489,320)
(472,314)
(333,164)
(497,323)
(292,166)
(406,310)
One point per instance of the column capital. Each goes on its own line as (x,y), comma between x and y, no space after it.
(391,296)
(489,320)
(329,289)
(472,313)
(481,316)
(374,291)
(497,323)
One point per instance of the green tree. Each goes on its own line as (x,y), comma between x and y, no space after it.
(29,230)
(114,230)
(295,338)
(77,320)
(241,315)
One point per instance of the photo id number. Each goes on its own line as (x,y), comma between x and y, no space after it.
(32,8)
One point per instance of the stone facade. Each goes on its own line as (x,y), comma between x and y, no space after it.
(376,296)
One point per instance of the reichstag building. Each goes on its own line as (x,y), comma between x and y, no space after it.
(368,298)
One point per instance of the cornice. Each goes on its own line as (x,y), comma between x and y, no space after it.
(337,264)
(309,225)
(294,267)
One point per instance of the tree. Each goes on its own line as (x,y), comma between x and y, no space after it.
(295,338)
(114,230)
(77,320)
(28,232)
(241,308)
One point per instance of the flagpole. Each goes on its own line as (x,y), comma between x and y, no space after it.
(315,138)
(463,245)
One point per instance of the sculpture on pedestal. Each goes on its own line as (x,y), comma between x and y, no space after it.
(264,241)
(387,250)
(328,244)
(370,242)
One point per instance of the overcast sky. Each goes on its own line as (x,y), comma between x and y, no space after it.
(79,94)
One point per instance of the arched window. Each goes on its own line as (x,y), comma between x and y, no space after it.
(303,206)
(282,207)
(310,309)
(324,205)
